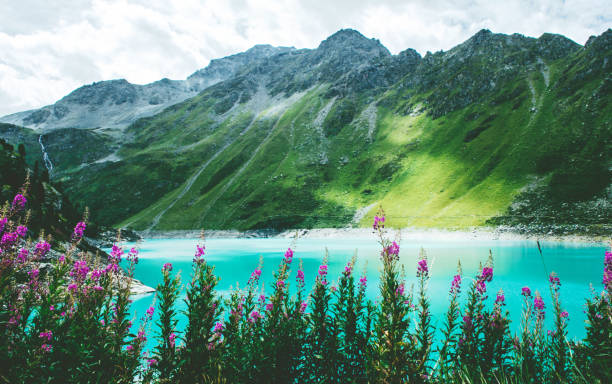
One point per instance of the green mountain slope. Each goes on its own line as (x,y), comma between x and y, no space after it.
(500,129)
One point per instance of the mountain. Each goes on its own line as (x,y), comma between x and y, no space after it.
(501,129)
(118,103)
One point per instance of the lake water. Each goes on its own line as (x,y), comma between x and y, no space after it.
(516,264)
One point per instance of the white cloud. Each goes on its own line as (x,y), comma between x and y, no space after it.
(50,48)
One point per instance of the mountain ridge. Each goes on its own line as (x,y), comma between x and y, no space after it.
(306,137)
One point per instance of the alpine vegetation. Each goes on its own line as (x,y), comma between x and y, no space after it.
(69,323)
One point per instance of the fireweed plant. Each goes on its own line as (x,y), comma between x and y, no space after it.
(69,323)
(67,319)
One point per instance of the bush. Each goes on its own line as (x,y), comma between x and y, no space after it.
(71,325)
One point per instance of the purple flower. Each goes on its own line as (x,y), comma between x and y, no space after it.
(167,267)
(199,253)
(33,274)
(132,256)
(607,278)
(363,281)
(79,270)
(19,201)
(48,335)
(21,230)
(269,307)
(300,277)
(150,311)
(393,249)
(72,287)
(481,287)
(399,291)
(379,222)
(564,314)
(42,248)
(456,284)
(554,280)
(9,239)
(254,316)
(218,327)
(172,339)
(23,255)
(79,230)
(303,307)
(151,362)
(323,270)
(52,308)
(288,256)
(129,348)
(422,269)
(46,347)
(348,270)
(115,255)
(255,276)
(487,274)
(525,291)
(280,284)
(500,298)
(3,222)
(538,303)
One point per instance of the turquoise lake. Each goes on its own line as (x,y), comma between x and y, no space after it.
(516,264)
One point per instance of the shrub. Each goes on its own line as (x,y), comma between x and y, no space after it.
(70,324)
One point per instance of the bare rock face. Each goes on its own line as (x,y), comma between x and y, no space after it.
(115,104)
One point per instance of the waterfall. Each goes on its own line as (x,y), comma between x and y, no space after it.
(46,160)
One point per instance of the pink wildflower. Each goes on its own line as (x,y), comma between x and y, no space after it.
(218,327)
(23,255)
(422,269)
(300,277)
(348,270)
(288,256)
(363,281)
(167,267)
(19,201)
(42,248)
(21,230)
(150,311)
(379,222)
(456,284)
(500,298)
(79,230)
(254,316)
(525,291)
(255,275)
(487,274)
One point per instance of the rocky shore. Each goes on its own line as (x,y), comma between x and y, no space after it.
(480,233)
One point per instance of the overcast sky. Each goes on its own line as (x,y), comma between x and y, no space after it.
(49,48)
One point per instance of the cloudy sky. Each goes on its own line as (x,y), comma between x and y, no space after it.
(48,48)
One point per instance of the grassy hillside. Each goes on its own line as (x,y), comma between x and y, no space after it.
(500,129)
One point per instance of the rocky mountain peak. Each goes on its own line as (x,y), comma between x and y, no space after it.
(603,41)
(350,39)
(552,46)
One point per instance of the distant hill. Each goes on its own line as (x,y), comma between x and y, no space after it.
(501,129)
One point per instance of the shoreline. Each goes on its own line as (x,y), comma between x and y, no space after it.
(490,234)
